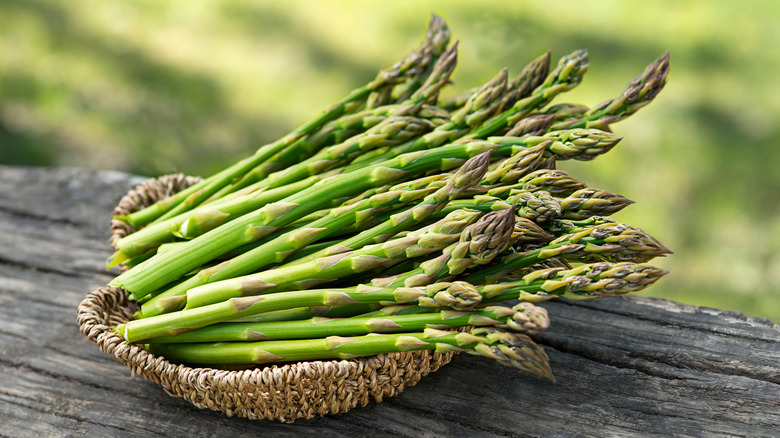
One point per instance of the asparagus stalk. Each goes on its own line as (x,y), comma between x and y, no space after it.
(198,193)
(277,250)
(415,66)
(468,175)
(171,265)
(479,244)
(481,105)
(566,75)
(193,223)
(510,170)
(555,182)
(524,317)
(335,132)
(301,313)
(511,349)
(531,125)
(539,206)
(609,241)
(456,295)
(584,282)
(306,275)
(588,202)
(639,92)
(577,144)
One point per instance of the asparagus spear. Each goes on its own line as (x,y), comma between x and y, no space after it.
(639,92)
(195,222)
(524,317)
(585,282)
(577,144)
(609,241)
(198,193)
(171,265)
(305,275)
(335,132)
(566,75)
(554,182)
(456,295)
(479,244)
(481,105)
(531,125)
(511,349)
(539,206)
(277,250)
(588,202)
(468,175)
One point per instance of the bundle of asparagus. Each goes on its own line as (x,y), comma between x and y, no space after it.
(395,220)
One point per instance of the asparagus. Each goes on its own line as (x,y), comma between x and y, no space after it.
(169,266)
(577,144)
(277,250)
(197,193)
(524,317)
(515,167)
(566,75)
(335,132)
(554,182)
(468,175)
(609,241)
(456,295)
(588,202)
(301,313)
(164,268)
(415,66)
(382,135)
(520,87)
(639,92)
(531,125)
(584,282)
(479,244)
(539,206)
(511,349)
(305,275)
(480,106)
(193,223)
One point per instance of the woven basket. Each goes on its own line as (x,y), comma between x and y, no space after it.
(277,392)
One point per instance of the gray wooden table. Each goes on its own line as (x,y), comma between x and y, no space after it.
(625,366)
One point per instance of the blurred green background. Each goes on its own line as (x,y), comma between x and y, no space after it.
(154,87)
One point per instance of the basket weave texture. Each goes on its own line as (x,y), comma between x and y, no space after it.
(278,392)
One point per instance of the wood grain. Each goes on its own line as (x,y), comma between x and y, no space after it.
(625,367)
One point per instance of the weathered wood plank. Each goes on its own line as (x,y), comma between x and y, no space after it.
(628,366)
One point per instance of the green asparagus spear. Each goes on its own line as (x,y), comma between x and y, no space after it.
(524,317)
(640,92)
(198,193)
(277,250)
(511,349)
(609,241)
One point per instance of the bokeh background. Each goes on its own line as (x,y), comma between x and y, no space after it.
(153,87)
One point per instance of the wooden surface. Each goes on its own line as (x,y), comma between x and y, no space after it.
(625,366)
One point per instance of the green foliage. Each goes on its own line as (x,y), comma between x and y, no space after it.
(156,87)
